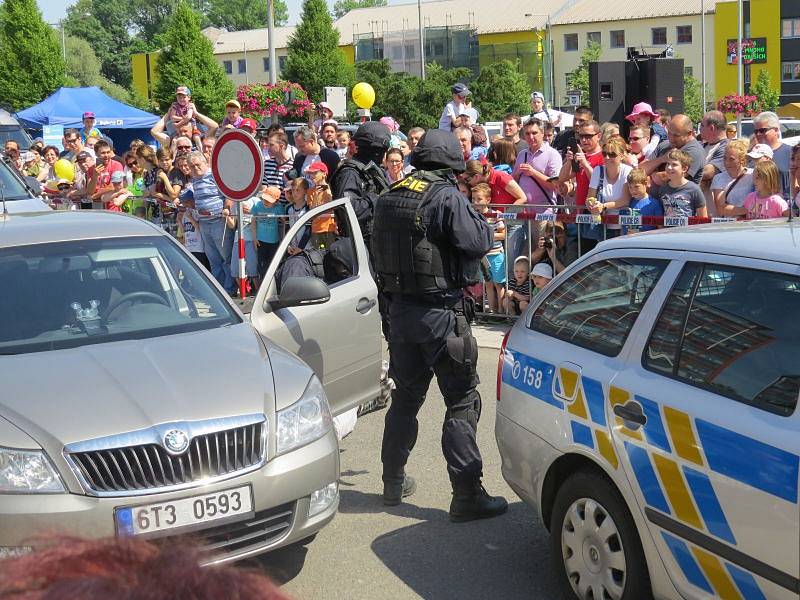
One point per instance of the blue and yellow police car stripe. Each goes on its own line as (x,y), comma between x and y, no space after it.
(668,460)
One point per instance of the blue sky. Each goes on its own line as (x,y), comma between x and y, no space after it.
(53,10)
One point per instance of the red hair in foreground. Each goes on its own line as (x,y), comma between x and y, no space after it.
(126,569)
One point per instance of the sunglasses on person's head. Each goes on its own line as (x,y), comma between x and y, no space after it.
(763,130)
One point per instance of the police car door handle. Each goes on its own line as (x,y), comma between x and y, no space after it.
(365,305)
(631,412)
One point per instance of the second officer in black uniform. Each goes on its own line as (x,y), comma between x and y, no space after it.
(427,243)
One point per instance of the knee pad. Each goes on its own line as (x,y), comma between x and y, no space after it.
(469,410)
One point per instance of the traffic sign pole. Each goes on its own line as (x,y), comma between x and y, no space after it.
(238,168)
(242,258)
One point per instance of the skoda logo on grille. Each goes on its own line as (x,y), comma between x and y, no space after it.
(176,441)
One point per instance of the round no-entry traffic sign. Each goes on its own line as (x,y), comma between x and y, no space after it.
(237,164)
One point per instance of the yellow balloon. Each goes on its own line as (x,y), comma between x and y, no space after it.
(363,95)
(64,169)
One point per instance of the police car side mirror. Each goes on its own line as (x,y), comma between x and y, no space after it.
(301,291)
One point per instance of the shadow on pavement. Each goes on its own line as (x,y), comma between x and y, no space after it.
(438,559)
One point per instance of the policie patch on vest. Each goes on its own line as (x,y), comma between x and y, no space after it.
(412,183)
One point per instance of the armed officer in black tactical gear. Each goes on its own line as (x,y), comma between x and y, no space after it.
(362,179)
(427,243)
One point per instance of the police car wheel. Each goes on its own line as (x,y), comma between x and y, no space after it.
(594,543)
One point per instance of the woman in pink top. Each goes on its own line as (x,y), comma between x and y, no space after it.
(504,189)
(766,202)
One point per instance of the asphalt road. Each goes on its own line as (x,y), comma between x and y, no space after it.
(413,551)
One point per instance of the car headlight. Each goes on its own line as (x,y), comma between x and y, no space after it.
(27,472)
(306,420)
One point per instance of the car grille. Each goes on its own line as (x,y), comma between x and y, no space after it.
(264,528)
(149,467)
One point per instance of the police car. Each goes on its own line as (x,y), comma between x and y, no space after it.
(647,409)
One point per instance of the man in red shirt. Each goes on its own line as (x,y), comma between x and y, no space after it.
(99,176)
(579,162)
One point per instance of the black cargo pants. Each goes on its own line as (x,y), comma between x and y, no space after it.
(428,340)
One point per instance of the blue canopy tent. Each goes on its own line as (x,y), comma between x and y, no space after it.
(118,121)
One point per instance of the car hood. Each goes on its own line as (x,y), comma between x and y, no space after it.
(66,396)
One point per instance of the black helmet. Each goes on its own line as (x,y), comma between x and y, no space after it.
(372,134)
(438,149)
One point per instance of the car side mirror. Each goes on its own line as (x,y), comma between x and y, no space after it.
(301,291)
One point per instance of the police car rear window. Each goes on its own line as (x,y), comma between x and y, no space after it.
(597,306)
(731,331)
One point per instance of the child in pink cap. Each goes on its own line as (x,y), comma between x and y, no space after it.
(643,115)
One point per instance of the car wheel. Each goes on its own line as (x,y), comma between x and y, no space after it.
(594,543)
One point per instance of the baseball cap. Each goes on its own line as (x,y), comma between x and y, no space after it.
(117,177)
(182,89)
(233,103)
(326,106)
(760,151)
(28,156)
(88,115)
(83,155)
(538,95)
(318,166)
(270,192)
(250,123)
(460,89)
(542,270)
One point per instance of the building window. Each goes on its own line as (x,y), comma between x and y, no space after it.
(618,38)
(242,65)
(228,66)
(266,64)
(790,28)
(684,34)
(281,63)
(570,42)
(659,36)
(688,71)
(593,37)
(790,71)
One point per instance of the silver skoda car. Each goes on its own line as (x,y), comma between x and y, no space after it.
(136,400)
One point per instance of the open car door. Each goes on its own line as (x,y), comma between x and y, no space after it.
(340,338)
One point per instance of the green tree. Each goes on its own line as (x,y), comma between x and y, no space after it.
(692,98)
(188,59)
(105,26)
(314,59)
(579,78)
(501,88)
(30,55)
(768,97)
(150,18)
(342,7)
(236,15)
(84,70)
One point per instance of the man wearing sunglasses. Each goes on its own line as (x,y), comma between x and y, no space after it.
(567,138)
(767,127)
(581,158)
(73,145)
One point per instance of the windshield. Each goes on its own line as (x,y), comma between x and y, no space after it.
(14,132)
(69,294)
(10,186)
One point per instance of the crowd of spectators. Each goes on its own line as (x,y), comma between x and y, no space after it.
(652,164)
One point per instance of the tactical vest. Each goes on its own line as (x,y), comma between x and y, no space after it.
(406,261)
(373,182)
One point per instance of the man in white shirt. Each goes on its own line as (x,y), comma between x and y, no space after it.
(449,119)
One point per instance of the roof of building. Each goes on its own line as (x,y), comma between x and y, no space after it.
(590,11)
(250,39)
(503,16)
